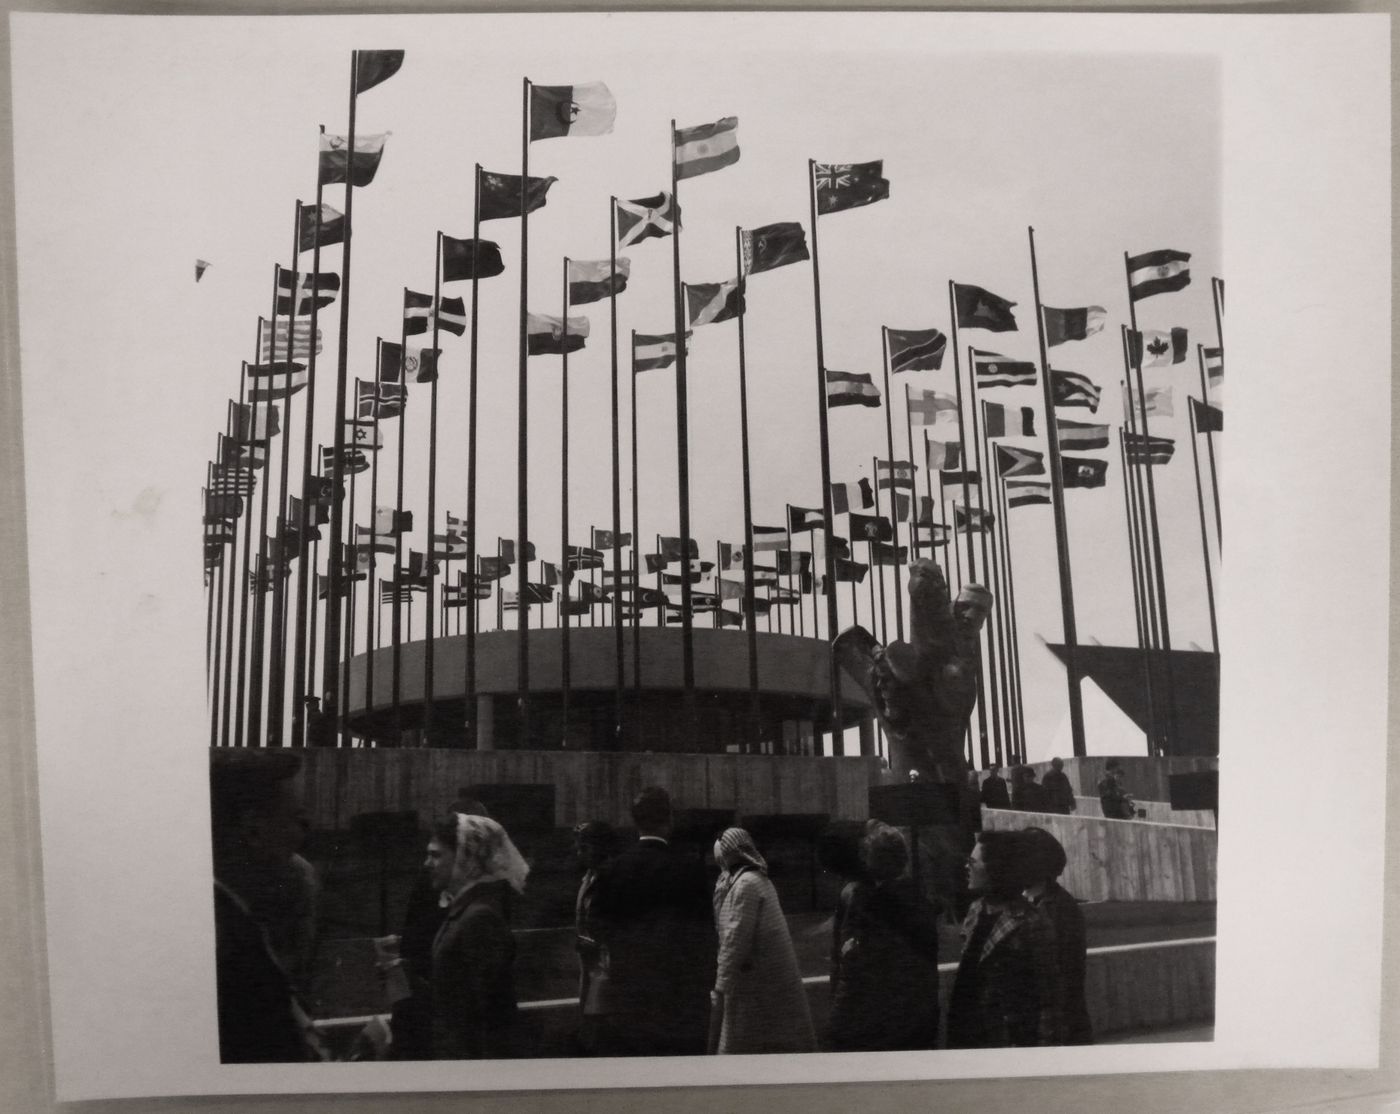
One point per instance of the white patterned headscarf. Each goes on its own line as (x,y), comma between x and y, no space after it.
(736,852)
(486,854)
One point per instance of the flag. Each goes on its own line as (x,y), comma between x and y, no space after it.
(849,185)
(1215,366)
(652,352)
(916,349)
(253,423)
(945,457)
(594,281)
(374,66)
(273,381)
(646,217)
(1008,421)
(546,335)
(582,557)
(1024,493)
(466,259)
(534,593)
(1082,471)
(936,533)
(500,195)
(705,148)
(731,555)
(422,363)
(606,539)
(1148,450)
(846,496)
(894,473)
(200,266)
(975,522)
(840,547)
(331,229)
(730,589)
(925,406)
(387,520)
(317,513)
(418,313)
(320,288)
(625,578)
(997,371)
(551,572)
(336,159)
(678,578)
(981,309)
(252,454)
(1015,461)
(794,562)
(559,110)
(871,527)
(506,548)
(769,537)
(223,506)
(275,339)
(229,479)
(1157,272)
(1151,348)
(1155,400)
(882,554)
(492,568)
(712,302)
(1209,419)
(352,460)
(656,561)
(765,576)
(773,245)
(729,618)
(456,595)
(845,388)
(805,518)
(848,571)
(381,400)
(1081,435)
(671,549)
(1072,324)
(395,591)
(367,540)
(1069,388)
(591,593)
(363,435)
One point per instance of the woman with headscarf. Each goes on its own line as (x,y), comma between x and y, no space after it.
(473,862)
(758,1003)
(884,966)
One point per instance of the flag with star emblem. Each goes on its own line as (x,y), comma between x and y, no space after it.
(1069,388)
(706,148)
(997,371)
(363,434)
(546,335)
(1083,471)
(981,309)
(559,110)
(1072,324)
(849,185)
(916,349)
(1158,272)
(500,195)
(330,230)
(645,218)
(773,245)
(1151,348)
(337,163)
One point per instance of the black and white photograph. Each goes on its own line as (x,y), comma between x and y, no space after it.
(625,549)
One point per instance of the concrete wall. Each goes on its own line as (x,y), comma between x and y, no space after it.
(1125,860)
(340,783)
(1145,778)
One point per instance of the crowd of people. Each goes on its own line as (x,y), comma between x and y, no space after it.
(1054,793)
(669,962)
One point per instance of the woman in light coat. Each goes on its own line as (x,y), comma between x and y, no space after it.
(758,1003)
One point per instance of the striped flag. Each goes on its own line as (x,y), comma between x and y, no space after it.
(363,435)
(846,496)
(769,537)
(916,349)
(845,388)
(925,406)
(652,352)
(890,474)
(1148,450)
(1154,400)
(1081,435)
(645,218)
(594,280)
(272,381)
(337,162)
(352,461)
(1025,493)
(1072,324)
(231,480)
(1069,388)
(1008,421)
(1151,348)
(546,335)
(367,540)
(1215,366)
(801,519)
(997,371)
(707,147)
(1157,272)
(253,423)
(275,339)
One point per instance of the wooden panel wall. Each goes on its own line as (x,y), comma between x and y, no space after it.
(1157,811)
(1145,778)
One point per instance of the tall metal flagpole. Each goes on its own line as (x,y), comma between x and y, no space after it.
(1217,300)
(522,471)
(914,546)
(396,613)
(332,706)
(636,620)
(829,558)
(1057,498)
(933,528)
(474,571)
(374,609)
(996,635)
(1210,435)
(620,673)
(313,604)
(1132,544)
(257,651)
(750,628)
(1205,541)
(982,528)
(429,734)
(1137,544)
(235,578)
(875,470)
(564,616)
(682,459)
(1015,638)
(894,503)
(1159,571)
(1141,539)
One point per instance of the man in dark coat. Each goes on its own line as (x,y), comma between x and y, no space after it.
(1048,861)
(653,906)
(995,793)
(1059,794)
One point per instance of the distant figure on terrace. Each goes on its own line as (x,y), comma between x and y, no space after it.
(473,862)
(654,906)
(1113,798)
(994,791)
(1027,794)
(1059,794)
(758,1003)
(1048,862)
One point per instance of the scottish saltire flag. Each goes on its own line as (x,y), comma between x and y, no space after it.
(568,110)
(1158,272)
(849,185)
(645,218)
(916,349)
(706,148)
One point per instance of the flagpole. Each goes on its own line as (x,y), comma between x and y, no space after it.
(1152,514)
(875,469)
(396,614)
(564,617)
(313,606)
(429,648)
(473,565)
(933,530)
(374,605)
(682,459)
(915,548)
(1138,546)
(996,635)
(235,580)
(1132,543)
(331,670)
(636,620)
(894,518)
(1057,496)
(305,575)
(1015,635)
(522,471)
(618,646)
(991,666)
(258,649)
(750,628)
(1210,434)
(833,670)
(1205,541)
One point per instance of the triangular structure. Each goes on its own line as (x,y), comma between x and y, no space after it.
(200,266)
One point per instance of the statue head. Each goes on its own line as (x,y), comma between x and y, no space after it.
(972,607)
